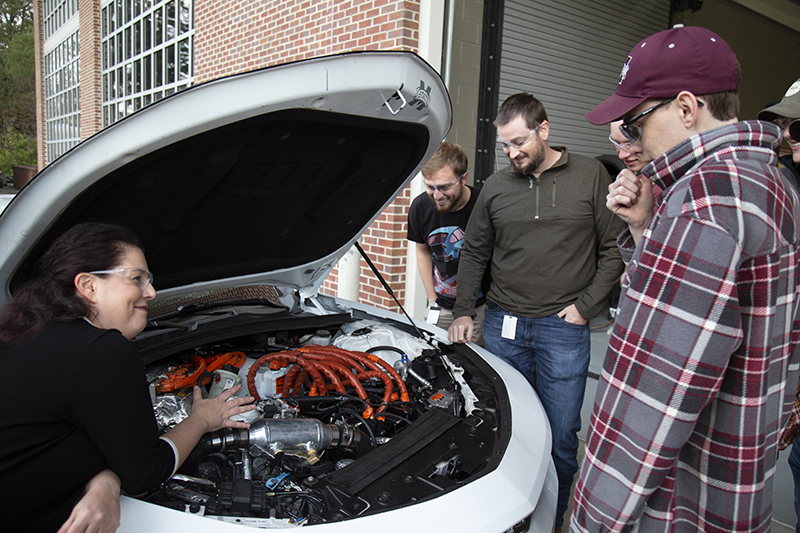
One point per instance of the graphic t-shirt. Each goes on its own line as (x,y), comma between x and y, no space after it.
(444,234)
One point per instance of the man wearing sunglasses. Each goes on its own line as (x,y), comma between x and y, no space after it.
(542,228)
(693,395)
(784,113)
(436,222)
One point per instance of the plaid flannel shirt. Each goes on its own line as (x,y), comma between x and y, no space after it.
(793,425)
(684,430)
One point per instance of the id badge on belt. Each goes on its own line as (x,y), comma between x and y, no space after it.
(433,315)
(509,330)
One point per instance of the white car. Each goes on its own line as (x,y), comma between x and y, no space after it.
(245,192)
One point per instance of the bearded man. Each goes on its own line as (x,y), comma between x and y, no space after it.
(542,227)
(436,224)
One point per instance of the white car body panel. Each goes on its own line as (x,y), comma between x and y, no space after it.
(372,85)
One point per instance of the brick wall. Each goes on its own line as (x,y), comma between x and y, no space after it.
(38,65)
(237,36)
(243,35)
(90,96)
(385,244)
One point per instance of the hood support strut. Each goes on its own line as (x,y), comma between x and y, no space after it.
(390,291)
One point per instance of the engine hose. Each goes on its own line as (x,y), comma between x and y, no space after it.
(337,358)
(299,362)
(354,381)
(387,381)
(387,348)
(348,412)
(216,362)
(294,380)
(369,360)
(173,382)
(330,374)
(309,367)
(285,356)
(345,356)
(401,386)
(331,364)
(353,358)
(314,361)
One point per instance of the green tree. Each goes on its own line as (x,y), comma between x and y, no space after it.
(16,16)
(17,85)
(17,149)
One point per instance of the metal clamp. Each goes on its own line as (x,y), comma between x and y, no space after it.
(400,95)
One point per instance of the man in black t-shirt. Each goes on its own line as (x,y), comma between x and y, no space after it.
(436,222)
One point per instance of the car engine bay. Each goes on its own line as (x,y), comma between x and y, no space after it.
(359,417)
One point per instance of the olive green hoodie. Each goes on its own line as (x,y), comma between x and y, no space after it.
(550,241)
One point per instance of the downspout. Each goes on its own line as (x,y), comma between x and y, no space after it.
(434,38)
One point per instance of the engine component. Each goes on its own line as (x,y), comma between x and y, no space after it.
(442,398)
(315,361)
(305,438)
(336,433)
(185,376)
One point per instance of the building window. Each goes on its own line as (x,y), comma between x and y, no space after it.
(56,14)
(61,97)
(146,53)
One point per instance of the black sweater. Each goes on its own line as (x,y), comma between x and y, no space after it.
(75,402)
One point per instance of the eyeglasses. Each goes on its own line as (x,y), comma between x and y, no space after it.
(519,142)
(631,131)
(140,277)
(623,146)
(446,187)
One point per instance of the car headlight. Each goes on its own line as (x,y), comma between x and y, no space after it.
(523,526)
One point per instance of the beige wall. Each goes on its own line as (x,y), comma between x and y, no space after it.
(465,75)
(768,52)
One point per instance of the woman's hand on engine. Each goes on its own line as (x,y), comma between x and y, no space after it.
(208,415)
(217,412)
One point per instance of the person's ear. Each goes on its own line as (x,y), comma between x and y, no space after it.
(544,130)
(85,285)
(689,108)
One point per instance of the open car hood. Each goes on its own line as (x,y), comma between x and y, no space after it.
(263,177)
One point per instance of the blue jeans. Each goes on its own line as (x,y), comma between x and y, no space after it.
(553,355)
(794,464)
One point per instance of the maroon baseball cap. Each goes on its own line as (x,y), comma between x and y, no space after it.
(689,58)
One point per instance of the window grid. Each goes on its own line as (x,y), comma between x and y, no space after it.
(146,49)
(56,14)
(62,98)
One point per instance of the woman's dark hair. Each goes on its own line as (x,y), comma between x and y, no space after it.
(50,295)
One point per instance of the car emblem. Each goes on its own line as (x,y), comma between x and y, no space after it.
(422,98)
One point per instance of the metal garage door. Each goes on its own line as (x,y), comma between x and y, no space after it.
(569,55)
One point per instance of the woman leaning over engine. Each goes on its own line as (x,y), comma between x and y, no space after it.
(78,423)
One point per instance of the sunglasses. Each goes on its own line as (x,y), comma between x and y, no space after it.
(632,131)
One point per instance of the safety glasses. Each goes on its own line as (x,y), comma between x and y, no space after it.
(141,277)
